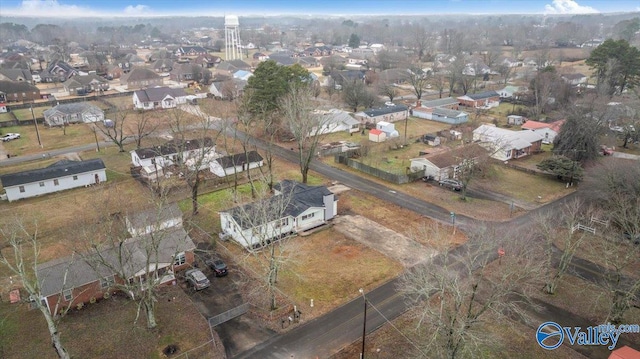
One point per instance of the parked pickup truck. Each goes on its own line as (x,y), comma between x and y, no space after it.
(10,136)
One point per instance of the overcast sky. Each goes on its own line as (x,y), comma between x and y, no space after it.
(77,8)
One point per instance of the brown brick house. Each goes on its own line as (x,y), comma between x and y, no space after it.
(12,91)
(86,277)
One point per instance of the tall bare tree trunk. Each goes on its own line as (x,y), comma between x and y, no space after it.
(54,333)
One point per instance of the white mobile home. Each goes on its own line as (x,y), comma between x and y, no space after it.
(57,177)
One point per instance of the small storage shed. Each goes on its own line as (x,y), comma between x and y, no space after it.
(376,135)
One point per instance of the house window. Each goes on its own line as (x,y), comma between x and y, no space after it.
(21,189)
(281,223)
(55,182)
(307,216)
(181,259)
(41,184)
(67,294)
(106,282)
(75,178)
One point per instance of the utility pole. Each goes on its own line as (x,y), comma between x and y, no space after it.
(36,124)
(364,325)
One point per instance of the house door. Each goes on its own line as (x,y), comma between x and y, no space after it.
(97,178)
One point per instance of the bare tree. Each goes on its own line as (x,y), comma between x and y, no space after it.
(421,41)
(142,127)
(305,126)
(453,295)
(195,147)
(554,228)
(265,231)
(505,72)
(116,130)
(387,89)
(355,94)
(144,262)
(418,80)
(23,242)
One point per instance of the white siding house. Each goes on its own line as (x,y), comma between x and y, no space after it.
(57,177)
(335,120)
(294,207)
(172,152)
(153,220)
(228,165)
(505,144)
(158,98)
(73,113)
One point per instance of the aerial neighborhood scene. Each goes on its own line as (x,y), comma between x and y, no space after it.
(361,179)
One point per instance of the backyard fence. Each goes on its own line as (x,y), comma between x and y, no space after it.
(583,228)
(396,178)
(228,315)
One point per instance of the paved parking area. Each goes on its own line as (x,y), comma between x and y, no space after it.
(238,334)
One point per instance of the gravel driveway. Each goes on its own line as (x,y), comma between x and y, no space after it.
(386,241)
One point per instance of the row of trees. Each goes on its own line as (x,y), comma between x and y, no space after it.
(462,291)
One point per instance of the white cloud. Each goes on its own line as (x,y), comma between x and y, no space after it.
(49,8)
(136,10)
(568,7)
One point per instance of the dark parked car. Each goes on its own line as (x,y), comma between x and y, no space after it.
(450,183)
(217,266)
(197,279)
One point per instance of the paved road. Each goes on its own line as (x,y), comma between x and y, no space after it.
(48,154)
(323,336)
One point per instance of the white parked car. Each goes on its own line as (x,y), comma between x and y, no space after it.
(10,136)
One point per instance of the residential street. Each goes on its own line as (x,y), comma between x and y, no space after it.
(325,335)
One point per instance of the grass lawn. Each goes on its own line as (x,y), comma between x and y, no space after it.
(124,102)
(51,138)
(521,185)
(25,113)
(5,116)
(106,330)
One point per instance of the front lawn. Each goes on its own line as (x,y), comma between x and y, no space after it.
(52,138)
(106,329)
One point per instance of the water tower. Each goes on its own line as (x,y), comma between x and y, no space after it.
(232,37)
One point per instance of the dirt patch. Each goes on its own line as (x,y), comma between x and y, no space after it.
(382,239)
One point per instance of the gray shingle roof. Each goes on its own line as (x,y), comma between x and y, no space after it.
(56,170)
(159,93)
(10,87)
(239,159)
(81,269)
(154,215)
(374,112)
(296,196)
(172,147)
(72,108)
(138,74)
(447,101)
(483,95)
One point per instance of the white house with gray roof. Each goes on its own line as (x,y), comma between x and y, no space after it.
(57,177)
(295,207)
(159,98)
(504,144)
(388,113)
(152,159)
(334,120)
(68,113)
